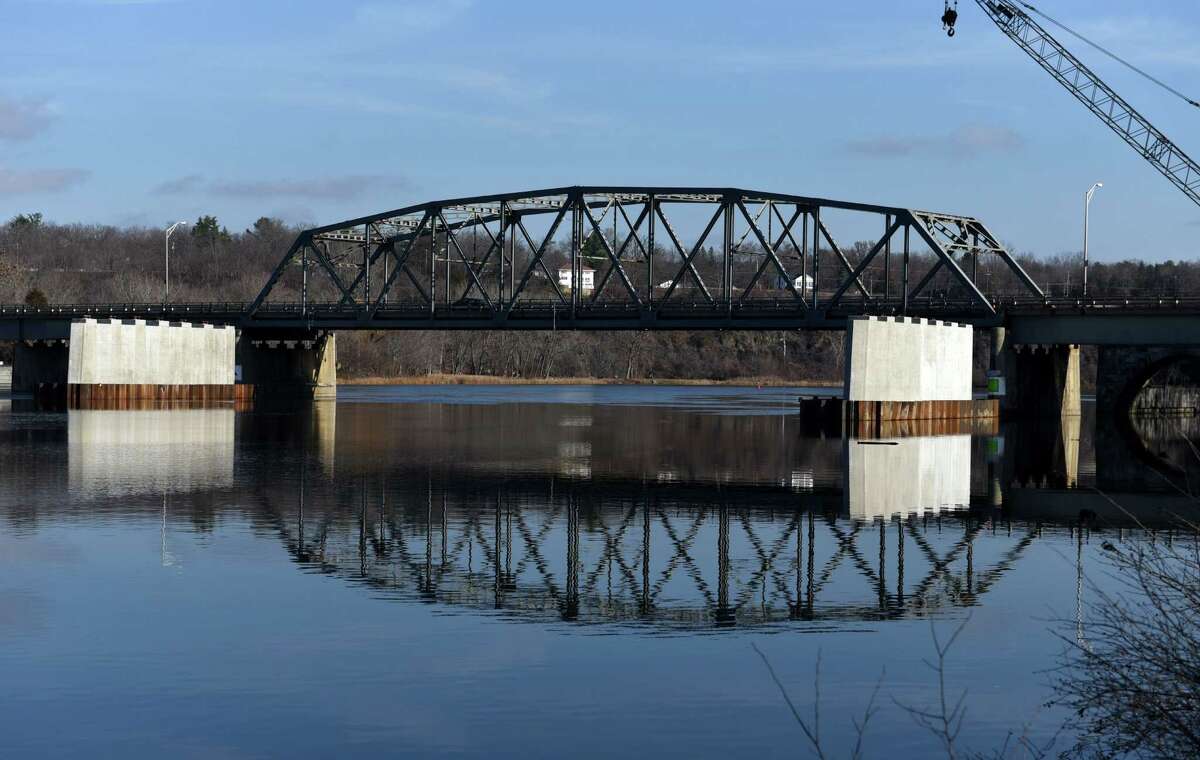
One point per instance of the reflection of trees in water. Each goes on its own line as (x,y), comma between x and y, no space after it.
(550,551)
(653,443)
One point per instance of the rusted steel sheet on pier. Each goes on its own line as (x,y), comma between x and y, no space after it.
(95,396)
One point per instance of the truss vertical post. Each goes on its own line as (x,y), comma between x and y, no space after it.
(512,264)
(804,256)
(576,231)
(887,260)
(433,222)
(617,210)
(367,264)
(727,253)
(500,278)
(304,280)
(904,280)
(816,295)
(445,249)
(650,252)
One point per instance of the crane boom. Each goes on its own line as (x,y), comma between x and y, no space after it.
(1101,99)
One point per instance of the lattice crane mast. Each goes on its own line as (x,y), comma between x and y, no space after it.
(1012,19)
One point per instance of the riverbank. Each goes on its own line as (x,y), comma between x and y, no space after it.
(441,379)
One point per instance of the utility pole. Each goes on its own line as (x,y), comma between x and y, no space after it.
(1087,202)
(167,260)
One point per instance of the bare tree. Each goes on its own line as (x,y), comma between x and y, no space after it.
(1133,677)
(812,729)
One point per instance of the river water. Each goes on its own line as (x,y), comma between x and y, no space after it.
(542,572)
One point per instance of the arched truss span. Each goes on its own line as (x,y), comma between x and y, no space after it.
(577,252)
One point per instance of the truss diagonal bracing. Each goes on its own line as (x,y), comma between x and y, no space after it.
(643,256)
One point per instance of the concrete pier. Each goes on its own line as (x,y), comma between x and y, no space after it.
(1042,381)
(905,359)
(909,369)
(116,362)
(40,368)
(289,368)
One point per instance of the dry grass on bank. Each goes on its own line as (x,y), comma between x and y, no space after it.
(441,379)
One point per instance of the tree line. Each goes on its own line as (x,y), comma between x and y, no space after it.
(43,262)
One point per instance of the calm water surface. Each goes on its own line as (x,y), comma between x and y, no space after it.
(536,572)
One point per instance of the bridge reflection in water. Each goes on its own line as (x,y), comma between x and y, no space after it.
(661,516)
(660,556)
(668,528)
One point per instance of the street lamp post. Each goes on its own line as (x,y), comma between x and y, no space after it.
(167,260)
(1087,202)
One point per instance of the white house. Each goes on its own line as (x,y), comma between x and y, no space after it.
(803,284)
(587,279)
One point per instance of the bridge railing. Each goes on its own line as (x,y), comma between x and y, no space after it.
(929,306)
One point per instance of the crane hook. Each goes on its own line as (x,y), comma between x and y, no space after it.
(950,17)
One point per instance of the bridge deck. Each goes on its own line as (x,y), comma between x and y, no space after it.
(1094,321)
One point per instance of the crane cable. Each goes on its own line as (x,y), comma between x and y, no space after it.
(1111,55)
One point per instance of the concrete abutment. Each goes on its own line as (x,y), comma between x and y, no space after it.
(289,368)
(1040,381)
(40,367)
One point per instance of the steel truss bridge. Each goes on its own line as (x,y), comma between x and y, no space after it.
(749,260)
(513,260)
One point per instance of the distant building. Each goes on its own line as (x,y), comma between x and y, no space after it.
(803,284)
(587,279)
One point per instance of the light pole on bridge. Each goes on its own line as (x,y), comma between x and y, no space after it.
(1087,202)
(167,260)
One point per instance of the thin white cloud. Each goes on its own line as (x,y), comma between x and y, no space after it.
(28,182)
(321,188)
(118,2)
(964,142)
(347,187)
(180,185)
(23,119)
(1140,39)
(540,123)
(409,16)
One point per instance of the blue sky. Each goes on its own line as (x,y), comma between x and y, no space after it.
(146,111)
